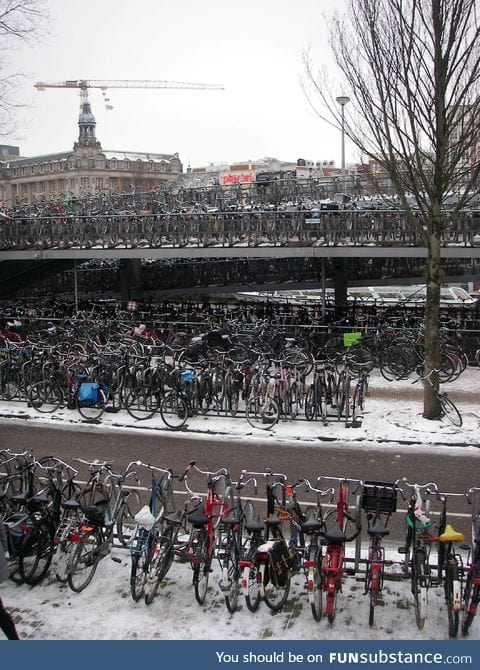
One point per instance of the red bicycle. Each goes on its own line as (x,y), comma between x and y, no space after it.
(335,539)
(205,521)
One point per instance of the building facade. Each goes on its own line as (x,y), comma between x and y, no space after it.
(86,170)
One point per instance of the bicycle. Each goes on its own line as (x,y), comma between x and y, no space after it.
(450,564)
(96,536)
(314,529)
(335,540)
(379,502)
(167,544)
(205,520)
(417,547)
(144,540)
(447,406)
(471,594)
(231,543)
(269,560)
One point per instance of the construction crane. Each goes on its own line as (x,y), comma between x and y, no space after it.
(83,85)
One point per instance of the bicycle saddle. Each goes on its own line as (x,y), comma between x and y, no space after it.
(198,518)
(451,535)
(273,520)
(378,529)
(335,535)
(231,519)
(311,525)
(174,518)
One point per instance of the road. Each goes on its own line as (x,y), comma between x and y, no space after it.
(453,470)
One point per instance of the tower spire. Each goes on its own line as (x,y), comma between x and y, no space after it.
(86,123)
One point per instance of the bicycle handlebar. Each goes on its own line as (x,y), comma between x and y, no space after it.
(309,488)
(240,484)
(266,473)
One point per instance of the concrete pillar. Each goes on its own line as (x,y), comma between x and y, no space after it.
(341,285)
(130,279)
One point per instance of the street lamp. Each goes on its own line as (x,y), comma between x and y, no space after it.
(342,101)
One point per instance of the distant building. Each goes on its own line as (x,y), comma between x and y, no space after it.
(86,170)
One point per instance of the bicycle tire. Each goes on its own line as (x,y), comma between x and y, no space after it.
(34,565)
(138,576)
(201,574)
(310,409)
(419,588)
(251,589)
(93,411)
(163,552)
(231,573)
(471,601)
(275,597)
(314,583)
(451,575)
(62,559)
(84,562)
(126,519)
(142,403)
(331,605)
(45,397)
(262,412)
(173,410)
(449,409)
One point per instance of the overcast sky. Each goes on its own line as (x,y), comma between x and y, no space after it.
(253,48)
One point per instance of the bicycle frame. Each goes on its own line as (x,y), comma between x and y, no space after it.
(335,538)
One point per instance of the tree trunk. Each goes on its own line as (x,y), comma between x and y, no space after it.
(431,405)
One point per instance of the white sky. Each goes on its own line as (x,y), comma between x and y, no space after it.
(253,48)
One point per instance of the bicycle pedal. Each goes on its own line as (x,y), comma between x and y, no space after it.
(351,572)
(402,550)
(115,559)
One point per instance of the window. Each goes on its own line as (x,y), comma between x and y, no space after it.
(112,182)
(99,183)
(85,182)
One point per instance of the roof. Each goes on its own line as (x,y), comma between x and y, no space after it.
(137,155)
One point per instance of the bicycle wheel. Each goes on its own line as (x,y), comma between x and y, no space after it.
(471,601)
(142,403)
(92,411)
(419,587)
(249,578)
(84,561)
(275,596)
(452,596)
(45,397)
(160,565)
(314,583)
(230,583)
(126,519)
(310,410)
(200,582)
(141,553)
(173,410)
(262,412)
(331,605)
(34,565)
(450,411)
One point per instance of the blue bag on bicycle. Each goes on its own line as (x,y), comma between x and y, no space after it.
(88,392)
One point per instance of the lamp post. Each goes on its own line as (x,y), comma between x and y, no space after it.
(342,101)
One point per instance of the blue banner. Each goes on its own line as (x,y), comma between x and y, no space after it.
(213,655)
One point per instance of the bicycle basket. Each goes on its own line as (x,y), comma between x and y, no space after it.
(96,513)
(383,494)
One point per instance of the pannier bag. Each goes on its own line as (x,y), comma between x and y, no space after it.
(279,571)
(88,393)
(145,518)
(96,513)
(20,529)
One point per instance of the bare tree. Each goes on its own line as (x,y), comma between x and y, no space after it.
(412,69)
(21,21)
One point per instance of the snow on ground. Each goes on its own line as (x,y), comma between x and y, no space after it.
(105,610)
